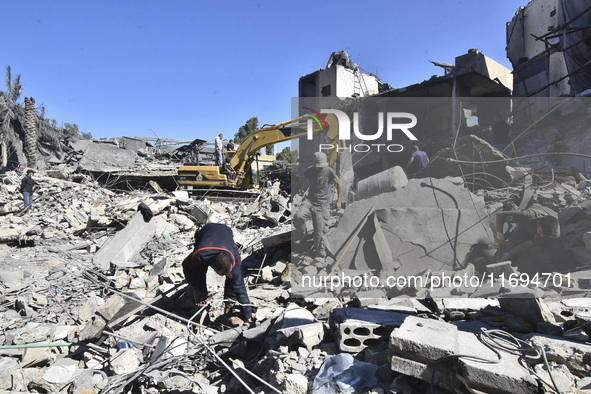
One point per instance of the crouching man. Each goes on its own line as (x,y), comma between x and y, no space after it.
(215,248)
(537,232)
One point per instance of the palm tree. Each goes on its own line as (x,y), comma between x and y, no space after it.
(30,131)
(8,111)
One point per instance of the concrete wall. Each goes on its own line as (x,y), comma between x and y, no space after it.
(536,67)
(346,83)
(535,19)
(484,65)
(337,81)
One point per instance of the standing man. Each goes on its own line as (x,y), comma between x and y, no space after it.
(317,204)
(215,248)
(27,185)
(219,161)
(420,159)
(231,148)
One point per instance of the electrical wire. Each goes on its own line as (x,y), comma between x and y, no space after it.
(497,340)
(213,351)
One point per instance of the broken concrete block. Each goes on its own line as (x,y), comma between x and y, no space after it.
(445,376)
(84,383)
(7,366)
(425,244)
(71,219)
(93,361)
(128,242)
(295,383)
(468,304)
(36,356)
(182,222)
(534,310)
(125,361)
(308,335)
(9,277)
(565,381)
(61,371)
(371,297)
(267,274)
(99,157)
(507,376)
(424,340)
(574,355)
(296,316)
(584,384)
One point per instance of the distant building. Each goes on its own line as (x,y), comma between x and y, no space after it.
(341,78)
(549,46)
(445,104)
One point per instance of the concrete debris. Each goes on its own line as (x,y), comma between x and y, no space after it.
(94,298)
(472,149)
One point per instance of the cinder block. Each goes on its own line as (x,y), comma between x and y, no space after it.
(360,328)
(355,335)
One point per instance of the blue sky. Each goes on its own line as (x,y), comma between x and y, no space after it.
(192,69)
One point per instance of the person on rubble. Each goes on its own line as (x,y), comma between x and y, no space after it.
(215,248)
(418,168)
(27,186)
(316,205)
(537,227)
(219,146)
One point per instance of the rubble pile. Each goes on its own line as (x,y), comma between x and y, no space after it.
(94,298)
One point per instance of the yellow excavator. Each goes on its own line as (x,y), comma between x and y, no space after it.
(236,174)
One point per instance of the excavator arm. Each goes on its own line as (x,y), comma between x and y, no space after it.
(210,176)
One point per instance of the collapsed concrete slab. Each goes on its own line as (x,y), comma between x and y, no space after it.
(105,157)
(575,355)
(129,241)
(445,221)
(430,350)
(506,376)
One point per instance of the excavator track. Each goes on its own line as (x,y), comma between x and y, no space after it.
(223,195)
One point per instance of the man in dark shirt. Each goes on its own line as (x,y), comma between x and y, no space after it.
(537,226)
(420,160)
(27,185)
(215,248)
(317,204)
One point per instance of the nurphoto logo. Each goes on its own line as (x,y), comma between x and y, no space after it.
(390,122)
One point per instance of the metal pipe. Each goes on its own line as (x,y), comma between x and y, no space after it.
(35,345)
(215,354)
(165,312)
(255,376)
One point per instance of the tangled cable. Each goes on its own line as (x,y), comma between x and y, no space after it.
(497,340)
